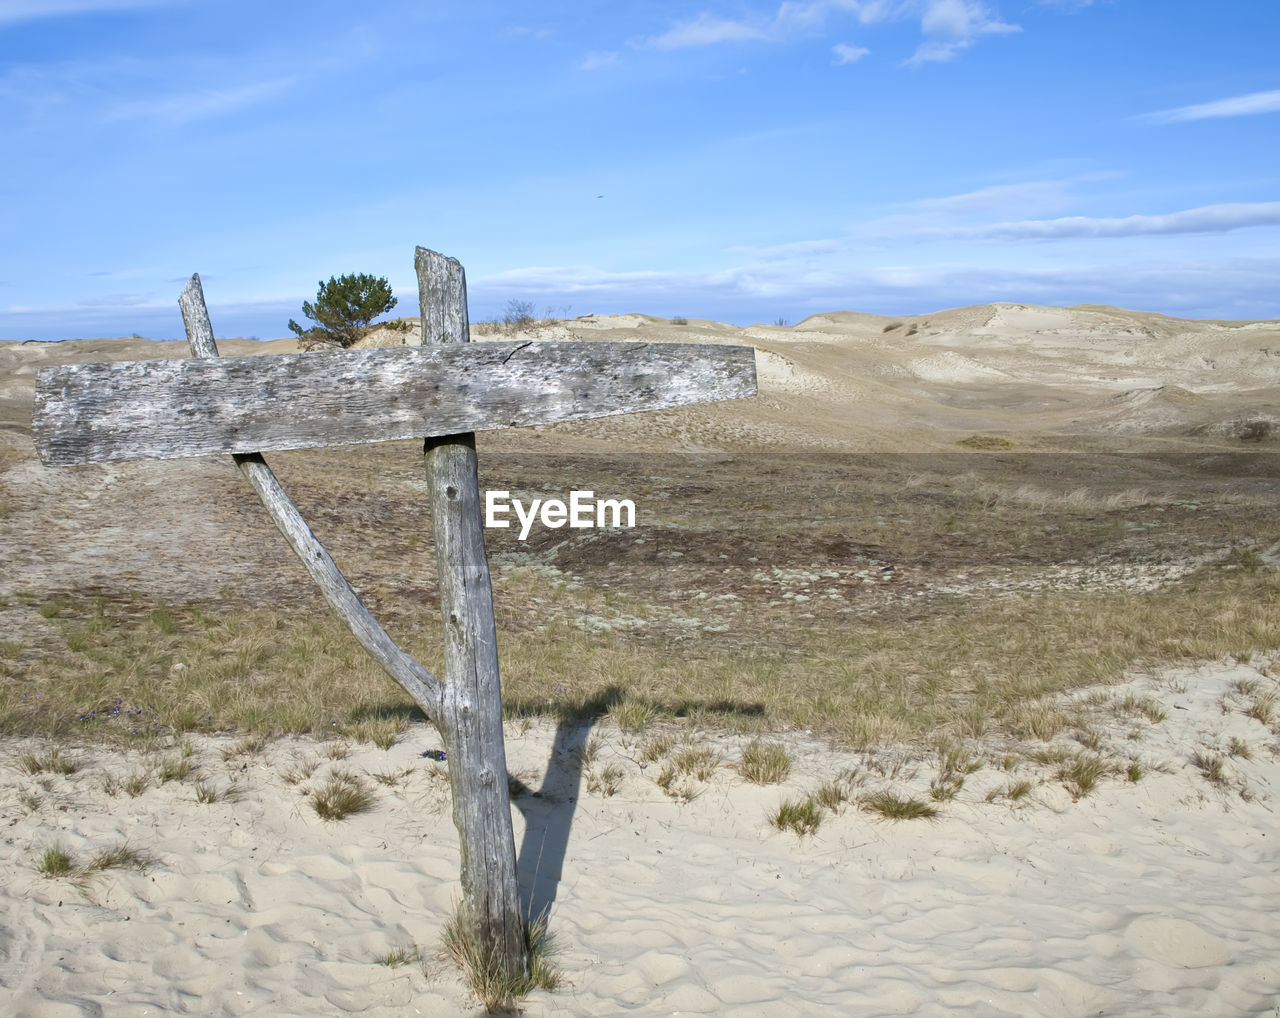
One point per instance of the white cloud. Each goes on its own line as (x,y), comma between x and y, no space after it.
(598,60)
(705,30)
(846,54)
(13,11)
(1206,219)
(1031,193)
(184,107)
(948,26)
(1236,106)
(954,25)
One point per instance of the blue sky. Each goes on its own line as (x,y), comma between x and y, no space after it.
(743,161)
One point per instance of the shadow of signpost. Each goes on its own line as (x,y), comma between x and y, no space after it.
(548,812)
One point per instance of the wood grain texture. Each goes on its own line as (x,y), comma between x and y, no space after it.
(416,680)
(164,409)
(471,716)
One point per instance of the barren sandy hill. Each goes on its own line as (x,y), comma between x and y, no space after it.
(850,381)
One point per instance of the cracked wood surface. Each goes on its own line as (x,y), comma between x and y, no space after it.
(165,409)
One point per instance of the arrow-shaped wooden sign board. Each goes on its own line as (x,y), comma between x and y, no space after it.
(164,409)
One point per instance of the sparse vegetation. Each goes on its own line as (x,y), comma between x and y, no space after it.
(301,769)
(656,748)
(177,768)
(699,762)
(1212,766)
(518,315)
(633,715)
(1263,707)
(496,988)
(398,957)
(891,806)
(985,442)
(922,669)
(1081,775)
(832,796)
(764,763)
(121,856)
(803,816)
(250,745)
(1018,790)
(49,762)
(55,861)
(605,781)
(207,792)
(392,779)
(341,795)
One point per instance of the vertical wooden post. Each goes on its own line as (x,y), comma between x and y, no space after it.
(471,714)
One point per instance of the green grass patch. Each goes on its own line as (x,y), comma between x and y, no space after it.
(803,816)
(764,763)
(891,806)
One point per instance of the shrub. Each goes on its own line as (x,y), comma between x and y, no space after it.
(518,315)
(343,307)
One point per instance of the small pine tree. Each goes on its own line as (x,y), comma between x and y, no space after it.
(344,307)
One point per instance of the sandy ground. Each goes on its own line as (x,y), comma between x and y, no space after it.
(1149,898)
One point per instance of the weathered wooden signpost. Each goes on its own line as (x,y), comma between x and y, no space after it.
(442,391)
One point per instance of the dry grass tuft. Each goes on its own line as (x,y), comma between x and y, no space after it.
(605,781)
(1212,766)
(498,989)
(49,762)
(1081,775)
(803,816)
(891,806)
(656,748)
(632,716)
(398,957)
(342,795)
(56,861)
(208,793)
(764,763)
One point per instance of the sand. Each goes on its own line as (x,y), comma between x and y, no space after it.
(1155,897)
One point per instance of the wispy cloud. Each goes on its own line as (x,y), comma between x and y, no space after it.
(598,61)
(1206,219)
(759,290)
(1026,194)
(1236,106)
(705,30)
(184,107)
(846,54)
(13,11)
(950,26)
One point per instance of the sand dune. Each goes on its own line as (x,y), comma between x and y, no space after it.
(1148,898)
